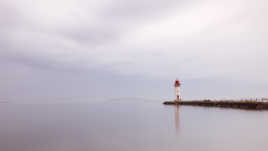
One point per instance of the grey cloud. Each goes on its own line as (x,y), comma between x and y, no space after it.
(138,9)
(124,42)
(8,15)
(92,35)
(108,28)
(116,18)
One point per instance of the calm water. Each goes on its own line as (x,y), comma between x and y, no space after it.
(130,126)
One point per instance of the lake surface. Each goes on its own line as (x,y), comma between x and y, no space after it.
(130,126)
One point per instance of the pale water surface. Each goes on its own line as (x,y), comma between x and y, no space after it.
(130,126)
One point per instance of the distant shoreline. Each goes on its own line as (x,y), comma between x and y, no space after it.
(248,105)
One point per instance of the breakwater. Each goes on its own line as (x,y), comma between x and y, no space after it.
(249,105)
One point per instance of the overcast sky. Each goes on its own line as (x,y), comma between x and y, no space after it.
(133,48)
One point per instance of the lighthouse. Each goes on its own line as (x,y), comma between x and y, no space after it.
(177,85)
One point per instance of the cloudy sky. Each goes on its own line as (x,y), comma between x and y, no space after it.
(133,48)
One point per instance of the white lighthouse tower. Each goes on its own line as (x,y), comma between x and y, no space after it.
(177,90)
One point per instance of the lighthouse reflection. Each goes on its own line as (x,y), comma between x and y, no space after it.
(177,118)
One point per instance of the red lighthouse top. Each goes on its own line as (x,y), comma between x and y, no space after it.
(177,83)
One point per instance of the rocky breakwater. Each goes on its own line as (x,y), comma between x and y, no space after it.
(250,105)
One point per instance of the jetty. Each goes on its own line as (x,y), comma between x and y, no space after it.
(248,104)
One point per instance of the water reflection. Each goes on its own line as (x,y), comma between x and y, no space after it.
(130,126)
(177,118)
